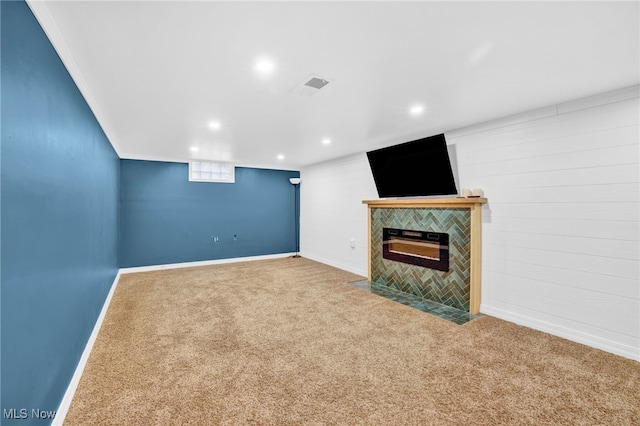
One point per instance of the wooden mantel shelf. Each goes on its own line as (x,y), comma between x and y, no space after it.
(475,207)
(460,202)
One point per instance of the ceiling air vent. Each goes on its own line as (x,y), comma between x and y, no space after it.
(310,85)
(316,83)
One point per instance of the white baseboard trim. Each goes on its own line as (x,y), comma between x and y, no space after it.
(338,265)
(616,348)
(202,263)
(61,413)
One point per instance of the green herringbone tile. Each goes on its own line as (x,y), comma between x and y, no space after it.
(450,288)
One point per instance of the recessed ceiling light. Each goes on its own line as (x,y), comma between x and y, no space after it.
(280,157)
(416,110)
(194,149)
(265,66)
(326,141)
(214,125)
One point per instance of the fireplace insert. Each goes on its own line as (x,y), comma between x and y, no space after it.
(422,248)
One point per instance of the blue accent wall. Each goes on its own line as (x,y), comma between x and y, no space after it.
(167,219)
(59,219)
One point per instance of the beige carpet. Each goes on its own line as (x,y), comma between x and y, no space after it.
(289,342)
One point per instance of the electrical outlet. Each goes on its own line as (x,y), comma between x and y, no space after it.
(235,237)
(216,239)
(353,243)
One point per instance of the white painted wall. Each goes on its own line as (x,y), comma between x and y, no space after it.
(561,229)
(332,213)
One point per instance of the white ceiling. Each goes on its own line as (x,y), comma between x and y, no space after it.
(156,73)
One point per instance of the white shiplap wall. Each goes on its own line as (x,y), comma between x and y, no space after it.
(561,229)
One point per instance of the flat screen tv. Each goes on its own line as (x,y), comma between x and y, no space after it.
(413,169)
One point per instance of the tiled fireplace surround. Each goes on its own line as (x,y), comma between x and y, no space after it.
(461,218)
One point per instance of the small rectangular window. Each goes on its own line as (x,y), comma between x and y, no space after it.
(207,171)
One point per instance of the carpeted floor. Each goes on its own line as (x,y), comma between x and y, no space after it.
(289,342)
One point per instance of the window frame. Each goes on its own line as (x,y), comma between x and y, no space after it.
(231,179)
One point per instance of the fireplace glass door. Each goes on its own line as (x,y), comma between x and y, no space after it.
(421,248)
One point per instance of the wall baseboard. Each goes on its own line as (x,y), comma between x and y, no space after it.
(338,265)
(616,348)
(63,408)
(202,263)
